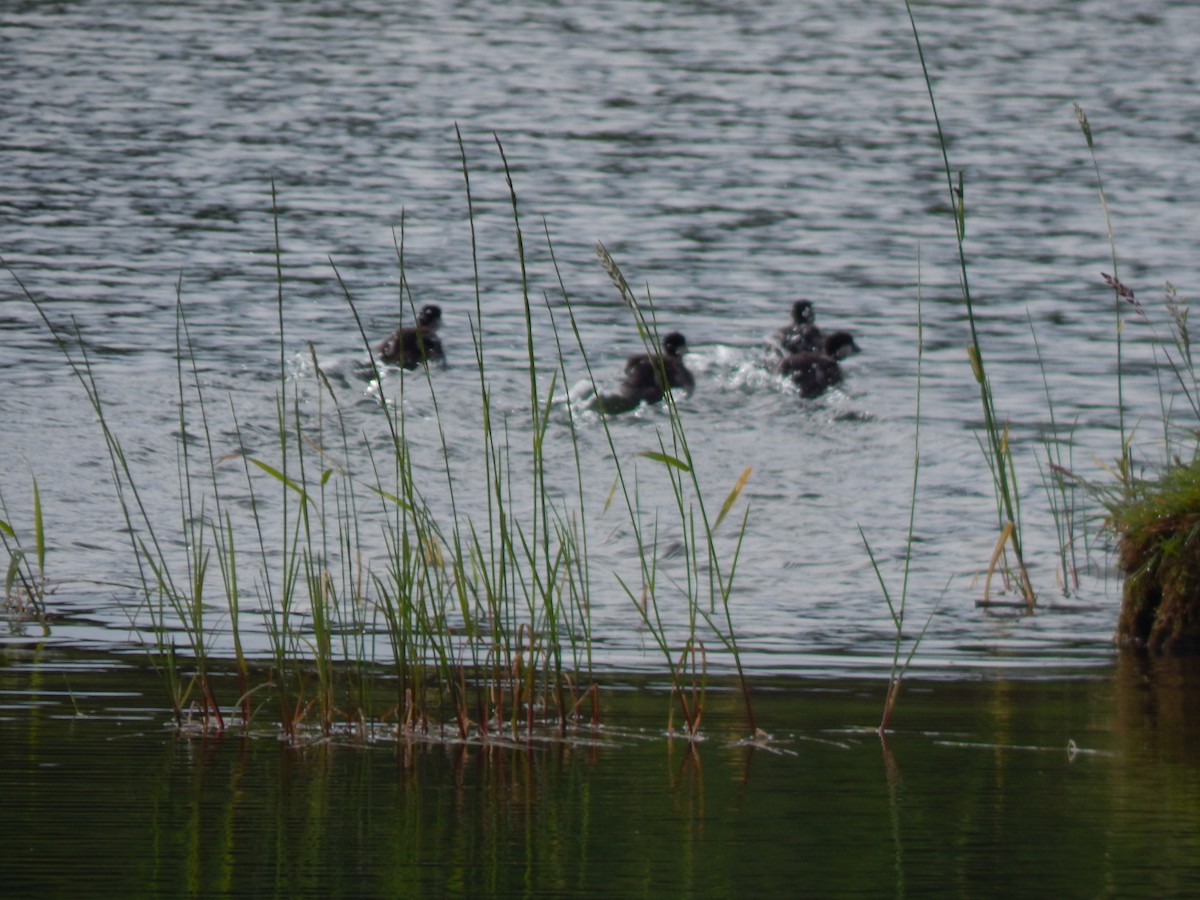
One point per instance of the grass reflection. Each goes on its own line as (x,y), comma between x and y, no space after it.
(984,790)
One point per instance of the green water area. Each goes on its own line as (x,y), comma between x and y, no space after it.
(986,785)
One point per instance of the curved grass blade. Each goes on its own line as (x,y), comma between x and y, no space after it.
(284,479)
(732,498)
(666,459)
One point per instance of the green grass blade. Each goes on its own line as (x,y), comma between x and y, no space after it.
(284,479)
(39,533)
(732,498)
(666,459)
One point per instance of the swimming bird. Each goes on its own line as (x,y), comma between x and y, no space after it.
(801,333)
(815,371)
(409,346)
(648,375)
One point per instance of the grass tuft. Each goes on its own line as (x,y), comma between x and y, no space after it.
(471,626)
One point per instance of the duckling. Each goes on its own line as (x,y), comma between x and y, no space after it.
(801,333)
(647,376)
(409,346)
(815,371)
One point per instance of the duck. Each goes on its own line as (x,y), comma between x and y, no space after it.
(801,334)
(647,376)
(409,346)
(815,371)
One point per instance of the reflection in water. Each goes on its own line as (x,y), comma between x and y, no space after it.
(1157,703)
(976,788)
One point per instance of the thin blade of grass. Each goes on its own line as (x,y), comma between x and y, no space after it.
(732,498)
(284,479)
(666,459)
(39,534)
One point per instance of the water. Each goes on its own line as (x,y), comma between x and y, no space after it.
(1084,787)
(732,157)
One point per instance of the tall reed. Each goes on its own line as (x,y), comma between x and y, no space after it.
(1176,346)
(1119,296)
(1151,506)
(898,607)
(995,442)
(514,582)
(1060,483)
(173,603)
(486,619)
(706,577)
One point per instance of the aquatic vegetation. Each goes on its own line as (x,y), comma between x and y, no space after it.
(478,626)
(994,442)
(1155,520)
(1120,294)
(24,595)
(479,623)
(1062,488)
(898,606)
(1157,529)
(706,577)
(171,602)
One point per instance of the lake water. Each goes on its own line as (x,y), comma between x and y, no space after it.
(732,157)
(1085,787)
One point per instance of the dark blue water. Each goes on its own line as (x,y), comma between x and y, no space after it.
(732,157)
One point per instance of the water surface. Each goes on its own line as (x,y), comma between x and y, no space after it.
(1081,787)
(732,157)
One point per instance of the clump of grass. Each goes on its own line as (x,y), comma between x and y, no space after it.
(1156,519)
(482,624)
(707,576)
(1157,525)
(165,594)
(24,577)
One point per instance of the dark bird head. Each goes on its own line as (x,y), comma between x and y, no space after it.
(803,312)
(674,344)
(839,344)
(429,316)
